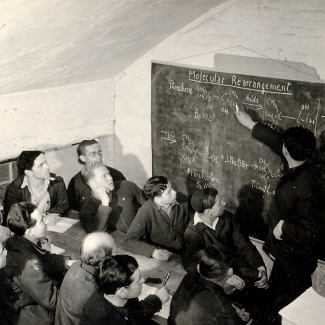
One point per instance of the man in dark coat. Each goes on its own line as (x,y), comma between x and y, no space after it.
(78,190)
(80,281)
(111,205)
(35,184)
(200,298)
(117,303)
(297,212)
(213,225)
(30,281)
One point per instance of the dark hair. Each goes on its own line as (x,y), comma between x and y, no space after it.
(214,264)
(26,159)
(155,186)
(203,199)
(115,272)
(300,142)
(83,144)
(88,170)
(19,217)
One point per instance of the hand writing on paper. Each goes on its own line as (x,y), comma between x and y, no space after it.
(162,294)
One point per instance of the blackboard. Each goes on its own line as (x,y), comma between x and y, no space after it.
(197,141)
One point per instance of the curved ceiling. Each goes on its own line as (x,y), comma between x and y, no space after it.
(56,43)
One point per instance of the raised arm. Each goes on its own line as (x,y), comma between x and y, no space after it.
(94,214)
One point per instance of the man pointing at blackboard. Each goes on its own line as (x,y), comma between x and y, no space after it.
(295,218)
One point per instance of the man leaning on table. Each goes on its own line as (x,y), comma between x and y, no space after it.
(80,281)
(200,298)
(30,281)
(158,228)
(116,303)
(37,185)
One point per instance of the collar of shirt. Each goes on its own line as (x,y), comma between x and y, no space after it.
(197,220)
(26,183)
(161,207)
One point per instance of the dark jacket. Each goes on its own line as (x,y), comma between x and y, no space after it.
(79,191)
(152,228)
(201,302)
(77,287)
(125,202)
(299,201)
(99,311)
(227,234)
(28,283)
(56,189)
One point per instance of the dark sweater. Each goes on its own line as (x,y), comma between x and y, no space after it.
(152,228)
(226,235)
(99,311)
(124,204)
(79,191)
(201,302)
(299,201)
(28,284)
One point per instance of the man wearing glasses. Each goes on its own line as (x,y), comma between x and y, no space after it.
(78,191)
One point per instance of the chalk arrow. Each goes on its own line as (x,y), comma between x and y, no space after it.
(259,106)
(254,165)
(171,140)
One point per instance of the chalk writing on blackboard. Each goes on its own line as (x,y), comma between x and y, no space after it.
(198,143)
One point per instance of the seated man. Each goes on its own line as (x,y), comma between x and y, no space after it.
(78,190)
(111,205)
(3,260)
(35,184)
(158,228)
(117,303)
(212,224)
(200,298)
(79,283)
(29,285)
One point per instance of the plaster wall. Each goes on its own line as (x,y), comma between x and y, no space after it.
(54,118)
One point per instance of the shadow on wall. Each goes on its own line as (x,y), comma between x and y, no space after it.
(132,169)
(250,212)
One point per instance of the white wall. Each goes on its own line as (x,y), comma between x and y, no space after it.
(282,30)
(51,118)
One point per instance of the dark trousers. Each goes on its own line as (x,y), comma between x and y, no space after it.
(286,286)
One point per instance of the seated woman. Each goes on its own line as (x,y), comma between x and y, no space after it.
(158,228)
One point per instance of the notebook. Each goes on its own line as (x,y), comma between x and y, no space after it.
(62,225)
(146,291)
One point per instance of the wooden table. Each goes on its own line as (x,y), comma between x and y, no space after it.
(149,267)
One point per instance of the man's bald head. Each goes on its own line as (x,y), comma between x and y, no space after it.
(95,247)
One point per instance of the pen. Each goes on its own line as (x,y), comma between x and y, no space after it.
(166,279)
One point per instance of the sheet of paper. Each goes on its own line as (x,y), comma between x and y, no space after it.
(146,291)
(309,308)
(57,250)
(62,225)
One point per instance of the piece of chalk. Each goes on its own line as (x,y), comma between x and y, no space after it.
(237,108)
